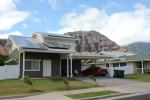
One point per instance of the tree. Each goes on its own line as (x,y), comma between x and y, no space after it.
(28,81)
(3,58)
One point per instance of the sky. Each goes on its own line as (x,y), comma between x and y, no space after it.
(123,21)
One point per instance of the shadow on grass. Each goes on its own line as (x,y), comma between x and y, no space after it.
(35,91)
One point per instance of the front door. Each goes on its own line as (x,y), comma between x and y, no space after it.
(46,68)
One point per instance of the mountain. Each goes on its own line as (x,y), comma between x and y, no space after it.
(139,47)
(3,48)
(92,41)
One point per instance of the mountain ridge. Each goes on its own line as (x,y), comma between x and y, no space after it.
(139,47)
(93,41)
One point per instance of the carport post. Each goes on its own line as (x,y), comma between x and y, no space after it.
(142,67)
(110,72)
(67,67)
(70,66)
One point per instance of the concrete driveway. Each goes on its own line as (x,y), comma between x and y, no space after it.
(111,82)
(121,85)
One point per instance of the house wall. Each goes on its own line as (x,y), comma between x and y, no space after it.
(147,64)
(128,69)
(14,54)
(55,63)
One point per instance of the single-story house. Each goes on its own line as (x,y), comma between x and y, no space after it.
(47,55)
(129,62)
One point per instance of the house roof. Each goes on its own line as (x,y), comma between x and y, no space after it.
(44,34)
(138,57)
(32,45)
(115,53)
(88,57)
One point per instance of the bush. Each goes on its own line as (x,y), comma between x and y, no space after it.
(3,58)
(93,78)
(28,81)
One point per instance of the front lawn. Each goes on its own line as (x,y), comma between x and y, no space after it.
(16,87)
(91,94)
(139,77)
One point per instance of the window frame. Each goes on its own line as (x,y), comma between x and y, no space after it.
(39,67)
(107,65)
(125,64)
(115,63)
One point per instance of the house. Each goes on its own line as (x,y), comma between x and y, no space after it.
(129,62)
(47,55)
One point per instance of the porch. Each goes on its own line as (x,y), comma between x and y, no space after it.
(142,66)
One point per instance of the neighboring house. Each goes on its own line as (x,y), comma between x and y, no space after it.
(47,55)
(130,63)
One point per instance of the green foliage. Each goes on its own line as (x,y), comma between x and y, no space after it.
(67,87)
(3,58)
(28,81)
(93,78)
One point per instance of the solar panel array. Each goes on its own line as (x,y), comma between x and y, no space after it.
(57,46)
(26,43)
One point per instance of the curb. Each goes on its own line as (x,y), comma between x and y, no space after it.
(105,96)
(18,96)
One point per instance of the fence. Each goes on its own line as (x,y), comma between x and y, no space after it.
(9,72)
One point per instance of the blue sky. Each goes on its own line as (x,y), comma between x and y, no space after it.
(119,20)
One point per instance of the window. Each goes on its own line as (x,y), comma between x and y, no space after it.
(107,65)
(115,64)
(139,64)
(32,65)
(123,64)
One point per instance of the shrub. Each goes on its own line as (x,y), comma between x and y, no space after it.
(93,78)
(28,81)
(3,58)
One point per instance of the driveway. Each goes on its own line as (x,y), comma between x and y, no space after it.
(111,82)
(121,85)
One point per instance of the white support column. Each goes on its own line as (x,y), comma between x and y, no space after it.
(67,67)
(71,67)
(23,68)
(142,67)
(110,69)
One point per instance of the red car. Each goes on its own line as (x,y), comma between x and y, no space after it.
(96,71)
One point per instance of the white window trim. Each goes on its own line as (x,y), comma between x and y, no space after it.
(33,60)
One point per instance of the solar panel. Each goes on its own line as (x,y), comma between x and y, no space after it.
(57,46)
(26,43)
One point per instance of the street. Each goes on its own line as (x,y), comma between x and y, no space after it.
(139,97)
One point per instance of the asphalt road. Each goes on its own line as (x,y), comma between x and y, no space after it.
(139,97)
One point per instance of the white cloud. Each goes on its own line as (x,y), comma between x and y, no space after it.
(35,19)
(5,35)
(9,15)
(121,27)
(52,3)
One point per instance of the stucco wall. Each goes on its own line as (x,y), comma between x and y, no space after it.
(55,63)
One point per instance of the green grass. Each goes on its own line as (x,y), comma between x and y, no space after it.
(17,87)
(91,94)
(139,77)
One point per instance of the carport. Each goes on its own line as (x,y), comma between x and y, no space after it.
(72,60)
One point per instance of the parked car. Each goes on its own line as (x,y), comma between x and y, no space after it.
(96,71)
